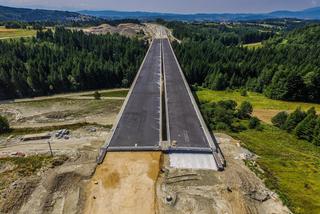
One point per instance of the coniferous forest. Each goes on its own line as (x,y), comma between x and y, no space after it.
(63,61)
(284,66)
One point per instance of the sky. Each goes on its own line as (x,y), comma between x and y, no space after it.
(177,6)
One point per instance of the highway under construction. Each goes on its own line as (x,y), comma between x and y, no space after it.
(160,112)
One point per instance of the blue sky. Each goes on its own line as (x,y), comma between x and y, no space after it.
(179,6)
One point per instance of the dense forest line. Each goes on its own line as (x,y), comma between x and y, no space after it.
(64,60)
(285,66)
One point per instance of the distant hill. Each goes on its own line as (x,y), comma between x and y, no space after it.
(28,15)
(24,14)
(313,13)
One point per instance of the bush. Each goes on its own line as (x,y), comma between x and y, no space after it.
(228,104)
(243,92)
(245,110)
(125,83)
(254,123)
(97,95)
(280,119)
(4,125)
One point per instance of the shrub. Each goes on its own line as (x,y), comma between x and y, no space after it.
(254,123)
(125,83)
(245,110)
(243,92)
(280,119)
(97,95)
(4,125)
(228,104)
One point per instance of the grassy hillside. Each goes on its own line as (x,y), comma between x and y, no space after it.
(290,166)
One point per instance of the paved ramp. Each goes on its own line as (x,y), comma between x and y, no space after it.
(192,161)
(139,123)
(184,125)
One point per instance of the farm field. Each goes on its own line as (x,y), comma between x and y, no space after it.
(15,33)
(264,108)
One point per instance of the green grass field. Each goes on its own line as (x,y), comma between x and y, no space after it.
(15,33)
(259,101)
(253,45)
(291,166)
(121,93)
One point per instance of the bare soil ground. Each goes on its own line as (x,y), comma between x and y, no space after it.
(235,190)
(55,186)
(145,30)
(124,183)
(265,114)
(63,109)
(154,30)
(126,29)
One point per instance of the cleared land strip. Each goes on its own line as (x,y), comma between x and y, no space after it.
(139,122)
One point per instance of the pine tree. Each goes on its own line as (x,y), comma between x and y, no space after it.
(294,119)
(304,129)
(280,119)
(316,133)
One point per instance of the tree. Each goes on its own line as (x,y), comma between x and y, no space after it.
(316,133)
(280,119)
(254,123)
(97,95)
(294,119)
(219,115)
(245,110)
(305,128)
(4,125)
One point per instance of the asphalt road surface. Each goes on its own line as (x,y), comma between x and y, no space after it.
(139,125)
(184,124)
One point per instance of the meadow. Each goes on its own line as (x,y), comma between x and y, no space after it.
(291,167)
(253,45)
(15,33)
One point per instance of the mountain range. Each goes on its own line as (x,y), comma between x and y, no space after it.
(312,13)
(29,15)
(24,14)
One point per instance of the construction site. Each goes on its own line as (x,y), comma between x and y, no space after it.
(144,150)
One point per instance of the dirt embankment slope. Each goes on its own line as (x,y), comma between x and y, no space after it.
(236,190)
(124,183)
